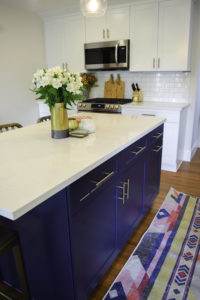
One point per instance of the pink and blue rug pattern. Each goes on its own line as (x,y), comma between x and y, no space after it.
(166,263)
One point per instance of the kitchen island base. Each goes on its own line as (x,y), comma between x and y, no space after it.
(70,240)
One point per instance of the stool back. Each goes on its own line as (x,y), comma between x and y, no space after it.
(10,126)
(44,119)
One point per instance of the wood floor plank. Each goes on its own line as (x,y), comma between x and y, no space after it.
(186,180)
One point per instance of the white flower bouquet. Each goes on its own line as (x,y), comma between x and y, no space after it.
(57,85)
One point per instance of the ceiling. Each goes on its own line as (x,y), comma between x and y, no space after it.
(43,7)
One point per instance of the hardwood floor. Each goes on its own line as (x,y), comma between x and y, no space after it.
(186,180)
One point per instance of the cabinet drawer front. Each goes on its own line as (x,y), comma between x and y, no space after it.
(156,135)
(128,156)
(89,184)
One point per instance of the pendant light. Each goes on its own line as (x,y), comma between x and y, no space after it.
(93,8)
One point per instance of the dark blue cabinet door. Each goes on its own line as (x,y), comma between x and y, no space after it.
(93,237)
(45,243)
(129,200)
(152,174)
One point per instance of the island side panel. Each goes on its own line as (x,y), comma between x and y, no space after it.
(44,238)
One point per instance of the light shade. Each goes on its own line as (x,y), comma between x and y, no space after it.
(93,8)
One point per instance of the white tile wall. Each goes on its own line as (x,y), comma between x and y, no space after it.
(163,87)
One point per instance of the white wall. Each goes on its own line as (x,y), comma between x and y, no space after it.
(21,53)
(192,128)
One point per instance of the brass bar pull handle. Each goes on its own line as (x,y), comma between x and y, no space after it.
(158,150)
(123,187)
(158,136)
(108,33)
(139,151)
(102,181)
(154,63)
(127,193)
(104,34)
(85,197)
(159,63)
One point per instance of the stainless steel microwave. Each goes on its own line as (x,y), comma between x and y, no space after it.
(112,55)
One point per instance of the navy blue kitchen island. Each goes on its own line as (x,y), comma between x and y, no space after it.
(71,239)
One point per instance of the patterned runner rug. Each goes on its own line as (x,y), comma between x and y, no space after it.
(166,263)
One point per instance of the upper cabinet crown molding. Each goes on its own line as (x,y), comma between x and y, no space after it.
(160,35)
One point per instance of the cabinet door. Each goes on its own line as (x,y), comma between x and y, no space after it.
(117,23)
(143,28)
(74,38)
(95,29)
(152,174)
(129,200)
(93,234)
(174,35)
(54,42)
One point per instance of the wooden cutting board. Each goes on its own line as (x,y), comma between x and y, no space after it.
(120,88)
(110,89)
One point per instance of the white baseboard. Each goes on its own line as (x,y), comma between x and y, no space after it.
(171,167)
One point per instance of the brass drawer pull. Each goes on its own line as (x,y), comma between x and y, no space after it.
(139,151)
(127,193)
(102,181)
(158,136)
(157,150)
(82,199)
(124,192)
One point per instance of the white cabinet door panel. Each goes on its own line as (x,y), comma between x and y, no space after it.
(95,29)
(144,30)
(74,43)
(174,34)
(117,23)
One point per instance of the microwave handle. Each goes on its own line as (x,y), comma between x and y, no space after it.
(116,53)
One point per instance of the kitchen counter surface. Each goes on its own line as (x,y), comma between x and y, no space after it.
(171,106)
(34,167)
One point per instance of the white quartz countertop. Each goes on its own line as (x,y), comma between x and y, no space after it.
(170,106)
(34,166)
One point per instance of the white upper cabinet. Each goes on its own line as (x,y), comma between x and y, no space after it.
(95,29)
(160,35)
(143,34)
(117,21)
(174,35)
(65,38)
(113,26)
(74,43)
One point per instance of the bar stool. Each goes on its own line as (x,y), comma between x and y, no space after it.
(9,242)
(10,126)
(44,119)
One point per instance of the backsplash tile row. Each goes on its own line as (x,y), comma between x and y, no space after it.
(163,87)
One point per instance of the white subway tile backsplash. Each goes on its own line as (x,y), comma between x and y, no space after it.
(163,87)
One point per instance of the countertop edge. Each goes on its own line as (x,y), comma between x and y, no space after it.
(14,215)
(131,106)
